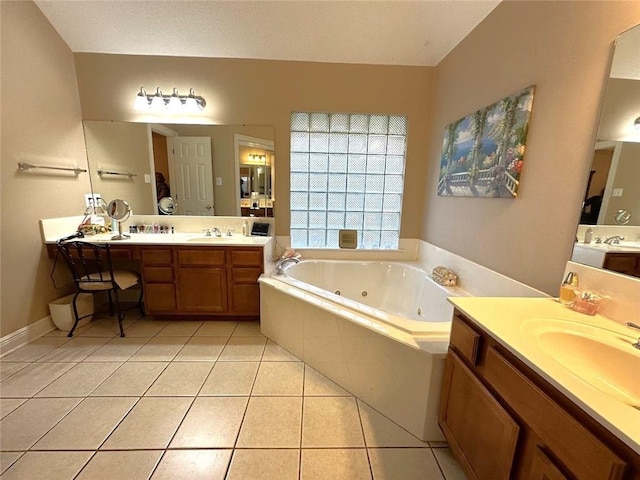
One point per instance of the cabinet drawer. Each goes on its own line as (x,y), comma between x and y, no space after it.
(121,253)
(245,275)
(202,256)
(251,257)
(465,340)
(578,450)
(477,427)
(157,256)
(158,274)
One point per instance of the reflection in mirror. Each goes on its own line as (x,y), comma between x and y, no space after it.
(609,232)
(622,217)
(166,206)
(198,166)
(256,162)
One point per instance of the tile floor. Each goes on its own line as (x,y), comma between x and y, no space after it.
(191,400)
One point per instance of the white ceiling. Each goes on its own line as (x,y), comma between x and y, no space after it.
(390,32)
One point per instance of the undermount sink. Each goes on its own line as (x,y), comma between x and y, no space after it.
(605,359)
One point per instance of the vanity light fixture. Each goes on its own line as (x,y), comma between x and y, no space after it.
(174,103)
(257,159)
(636,124)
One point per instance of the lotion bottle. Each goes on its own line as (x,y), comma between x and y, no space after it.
(588,235)
(245,228)
(568,287)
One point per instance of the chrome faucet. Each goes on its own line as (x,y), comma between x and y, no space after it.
(216,232)
(280,264)
(634,325)
(229,232)
(207,232)
(613,240)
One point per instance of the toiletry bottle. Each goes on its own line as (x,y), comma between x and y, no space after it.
(245,228)
(588,235)
(567,289)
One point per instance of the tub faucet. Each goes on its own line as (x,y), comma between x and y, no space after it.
(613,240)
(280,264)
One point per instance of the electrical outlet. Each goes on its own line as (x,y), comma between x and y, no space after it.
(219,181)
(616,192)
(91,199)
(147,178)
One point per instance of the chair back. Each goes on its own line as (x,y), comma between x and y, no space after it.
(89,263)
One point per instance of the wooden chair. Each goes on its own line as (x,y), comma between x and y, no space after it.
(92,271)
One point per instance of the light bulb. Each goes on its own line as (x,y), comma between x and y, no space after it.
(157,101)
(142,101)
(175,104)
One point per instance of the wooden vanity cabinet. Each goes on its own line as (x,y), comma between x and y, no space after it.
(194,280)
(245,266)
(158,277)
(202,280)
(504,421)
(627,263)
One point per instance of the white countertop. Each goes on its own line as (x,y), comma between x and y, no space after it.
(182,239)
(510,320)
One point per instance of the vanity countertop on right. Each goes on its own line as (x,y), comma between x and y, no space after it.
(589,359)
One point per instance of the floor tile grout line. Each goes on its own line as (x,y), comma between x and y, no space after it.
(198,394)
(95,452)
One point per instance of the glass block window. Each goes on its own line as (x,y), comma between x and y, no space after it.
(347,171)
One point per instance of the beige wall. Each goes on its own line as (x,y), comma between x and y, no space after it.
(41,124)
(564,48)
(254,92)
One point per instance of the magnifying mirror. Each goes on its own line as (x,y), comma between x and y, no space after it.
(119,211)
(167,206)
(622,217)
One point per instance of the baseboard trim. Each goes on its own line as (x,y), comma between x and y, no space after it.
(34,330)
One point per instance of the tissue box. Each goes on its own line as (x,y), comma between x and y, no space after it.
(444,276)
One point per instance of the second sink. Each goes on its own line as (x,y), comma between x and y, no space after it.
(602,358)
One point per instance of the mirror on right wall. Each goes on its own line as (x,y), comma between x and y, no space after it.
(609,232)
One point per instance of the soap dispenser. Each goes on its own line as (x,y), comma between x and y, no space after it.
(568,287)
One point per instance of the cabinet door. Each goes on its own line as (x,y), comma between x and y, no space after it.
(480,432)
(245,299)
(202,289)
(543,468)
(160,297)
(627,263)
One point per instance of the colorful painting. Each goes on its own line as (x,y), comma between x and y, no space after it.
(483,153)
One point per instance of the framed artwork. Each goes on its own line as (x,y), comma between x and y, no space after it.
(483,153)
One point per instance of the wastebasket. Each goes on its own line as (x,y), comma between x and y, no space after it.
(62,311)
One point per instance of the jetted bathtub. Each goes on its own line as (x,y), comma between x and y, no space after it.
(378,329)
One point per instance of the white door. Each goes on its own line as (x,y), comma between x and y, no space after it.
(192,185)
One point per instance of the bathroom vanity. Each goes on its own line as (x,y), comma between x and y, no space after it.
(191,274)
(623,258)
(534,390)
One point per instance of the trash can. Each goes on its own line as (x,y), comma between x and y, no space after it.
(62,311)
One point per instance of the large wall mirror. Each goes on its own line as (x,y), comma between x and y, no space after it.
(612,196)
(224,170)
